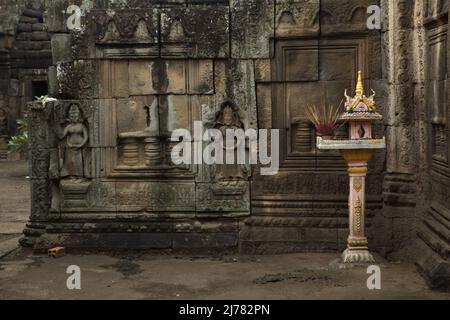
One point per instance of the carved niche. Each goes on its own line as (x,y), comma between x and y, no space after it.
(227,192)
(227,118)
(142,102)
(70,162)
(307,74)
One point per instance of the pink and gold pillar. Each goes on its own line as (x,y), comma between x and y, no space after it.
(357,244)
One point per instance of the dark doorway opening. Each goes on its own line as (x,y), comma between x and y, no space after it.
(38,89)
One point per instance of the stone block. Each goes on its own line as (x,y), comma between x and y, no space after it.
(61,48)
(339,17)
(207,2)
(201,77)
(32,13)
(240,88)
(252,28)
(434,268)
(55,16)
(74,194)
(132,196)
(205,241)
(271,233)
(14,88)
(185,32)
(344,70)
(39,27)
(52,81)
(176,76)
(40,36)
(138,4)
(132,114)
(223,198)
(296,18)
(155,196)
(114,79)
(107,125)
(77,79)
(102,196)
(140,76)
(178,112)
(106,241)
(25,19)
(24,27)
(263,70)
(123,26)
(297,61)
(220,74)
(264,98)
(172,197)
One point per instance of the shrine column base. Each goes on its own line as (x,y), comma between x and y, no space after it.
(357,245)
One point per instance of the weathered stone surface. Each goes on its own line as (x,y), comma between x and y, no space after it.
(252,28)
(223,198)
(77,79)
(61,48)
(123,26)
(138,70)
(195,32)
(344,16)
(296,18)
(132,114)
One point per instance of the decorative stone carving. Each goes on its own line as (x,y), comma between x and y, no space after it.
(125,26)
(344,16)
(76,80)
(295,18)
(227,118)
(185,32)
(253,29)
(75,135)
(40,161)
(225,197)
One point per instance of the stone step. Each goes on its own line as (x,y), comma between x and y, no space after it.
(441,210)
(438,228)
(7,246)
(441,219)
(435,243)
(434,268)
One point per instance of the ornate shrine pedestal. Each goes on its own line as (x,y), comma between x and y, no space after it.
(357,154)
(357,244)
(360,113)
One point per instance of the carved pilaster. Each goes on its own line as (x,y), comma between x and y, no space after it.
(400,183)
(39,163)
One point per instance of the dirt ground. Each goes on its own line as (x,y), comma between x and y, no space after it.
(24,275)
(14,197)
(295,276)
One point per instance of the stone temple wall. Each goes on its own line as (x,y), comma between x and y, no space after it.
(137,70)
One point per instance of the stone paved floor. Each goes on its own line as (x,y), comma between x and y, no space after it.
(24,275)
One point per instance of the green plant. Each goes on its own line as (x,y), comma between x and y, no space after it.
(325,118)
(40,99)
(19,142)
